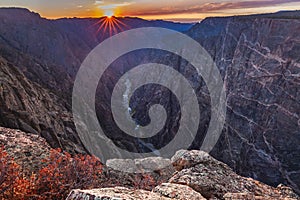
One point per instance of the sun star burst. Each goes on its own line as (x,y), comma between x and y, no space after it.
(111,25)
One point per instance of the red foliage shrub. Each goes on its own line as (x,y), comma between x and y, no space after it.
(61,173)
(12,184)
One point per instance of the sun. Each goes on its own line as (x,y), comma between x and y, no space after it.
(109,24)
(109,13)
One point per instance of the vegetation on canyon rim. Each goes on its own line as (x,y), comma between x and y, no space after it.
(61,173)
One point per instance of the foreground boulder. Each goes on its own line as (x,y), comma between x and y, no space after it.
(165,192)
(138,173)
(112,193)
(177,191)
(198,176)
(214,179)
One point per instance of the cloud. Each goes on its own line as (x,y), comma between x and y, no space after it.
(211,7)
(99,2)
(110,4)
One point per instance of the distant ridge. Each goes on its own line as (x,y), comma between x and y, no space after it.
(284,14)
(179,26)
(19,11)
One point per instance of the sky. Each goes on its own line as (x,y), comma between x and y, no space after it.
(175,10)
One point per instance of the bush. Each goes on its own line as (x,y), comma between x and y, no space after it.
(61,174)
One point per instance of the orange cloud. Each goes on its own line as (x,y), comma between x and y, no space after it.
(207,7)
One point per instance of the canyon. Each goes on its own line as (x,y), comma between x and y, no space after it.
(257,55)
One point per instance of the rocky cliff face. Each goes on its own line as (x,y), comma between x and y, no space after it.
(28,107)
(258,57)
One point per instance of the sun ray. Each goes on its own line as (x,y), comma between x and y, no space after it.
(103,23)
(109,25)
(114,27)
(119,22)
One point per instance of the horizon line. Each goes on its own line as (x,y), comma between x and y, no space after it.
(174,20)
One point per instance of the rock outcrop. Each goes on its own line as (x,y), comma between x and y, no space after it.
(177,191)
(199,176)
(139,173)
(214,179)
(166,191)
(139,165)
(27,149)
(113,193)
